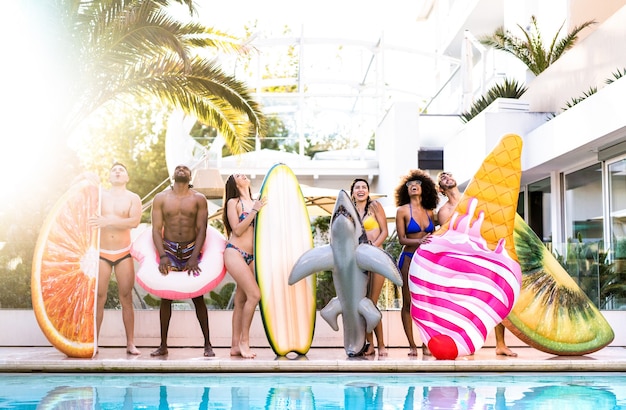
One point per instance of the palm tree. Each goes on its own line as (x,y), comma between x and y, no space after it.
(137,47)
(530,49)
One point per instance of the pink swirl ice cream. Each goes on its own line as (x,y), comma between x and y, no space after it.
(460,289)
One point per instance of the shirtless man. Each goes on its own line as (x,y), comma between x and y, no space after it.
(449,189)
(120,212)
(179,223)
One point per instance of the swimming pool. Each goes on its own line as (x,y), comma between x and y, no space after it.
(324,391)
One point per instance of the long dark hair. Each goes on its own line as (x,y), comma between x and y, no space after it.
(230,191)
(369,201)
(430,197)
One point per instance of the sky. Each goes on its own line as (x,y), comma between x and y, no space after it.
(327,18)
(29,98)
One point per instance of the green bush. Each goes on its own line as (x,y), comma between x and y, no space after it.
(220,300)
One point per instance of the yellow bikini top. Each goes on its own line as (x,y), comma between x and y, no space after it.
(370,223)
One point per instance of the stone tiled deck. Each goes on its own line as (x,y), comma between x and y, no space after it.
(48,359)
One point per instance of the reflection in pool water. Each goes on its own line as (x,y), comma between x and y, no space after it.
(313,391)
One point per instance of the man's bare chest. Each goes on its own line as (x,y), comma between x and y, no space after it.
(180,207)
(115,205)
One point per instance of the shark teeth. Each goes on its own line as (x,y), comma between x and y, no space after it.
(342,210)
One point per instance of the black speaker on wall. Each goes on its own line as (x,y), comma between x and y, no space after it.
(430,159)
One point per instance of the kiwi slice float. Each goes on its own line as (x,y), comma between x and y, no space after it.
(552,313)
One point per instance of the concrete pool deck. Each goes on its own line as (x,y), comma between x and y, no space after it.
(190,360)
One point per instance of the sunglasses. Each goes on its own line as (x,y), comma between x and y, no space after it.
(411,183)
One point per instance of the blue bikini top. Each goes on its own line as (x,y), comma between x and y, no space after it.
(414,227)
(243,214)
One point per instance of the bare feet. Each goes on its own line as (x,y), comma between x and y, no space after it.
(369,350)
(208,351)
(412,351)
(245,352)
(161,351)
(131,349)
(426,351)
(382,351)
(505,351)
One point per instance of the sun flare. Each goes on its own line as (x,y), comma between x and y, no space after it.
(32,98)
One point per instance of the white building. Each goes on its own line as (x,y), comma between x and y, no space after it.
(573,183)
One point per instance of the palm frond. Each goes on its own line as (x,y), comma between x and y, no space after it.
(141,29)
(616,76)
(529,48)
(553,51)
(576,100)
(137,47)
(508,89)
(189,3)
(201,89)
(570,39)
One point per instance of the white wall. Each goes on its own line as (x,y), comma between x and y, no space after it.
(586,126)
(588,64)
(464,153)
(397,143)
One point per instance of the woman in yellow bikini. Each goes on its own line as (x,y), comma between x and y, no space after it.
(375,224)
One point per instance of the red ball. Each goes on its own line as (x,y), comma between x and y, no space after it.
(443,347)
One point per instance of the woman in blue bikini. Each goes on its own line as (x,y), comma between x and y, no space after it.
(238,217)
(416,199)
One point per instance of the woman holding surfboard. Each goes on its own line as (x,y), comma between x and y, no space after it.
(239,217)
(374,223)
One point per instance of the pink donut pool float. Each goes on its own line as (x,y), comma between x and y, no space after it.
(179,285)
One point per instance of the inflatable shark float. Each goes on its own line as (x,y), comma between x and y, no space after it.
(350,262)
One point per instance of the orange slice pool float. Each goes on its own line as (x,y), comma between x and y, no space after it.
(65,272)
(68,397)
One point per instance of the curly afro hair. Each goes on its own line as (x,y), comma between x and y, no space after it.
(430,197)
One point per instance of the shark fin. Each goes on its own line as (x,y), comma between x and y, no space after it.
(312,261)
(370,313)
(373,259)
(331,311)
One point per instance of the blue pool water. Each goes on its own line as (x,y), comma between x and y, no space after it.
(324,391)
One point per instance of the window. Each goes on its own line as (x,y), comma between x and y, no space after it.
(539,197)
(583,205)
(613,277)
(584,231)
